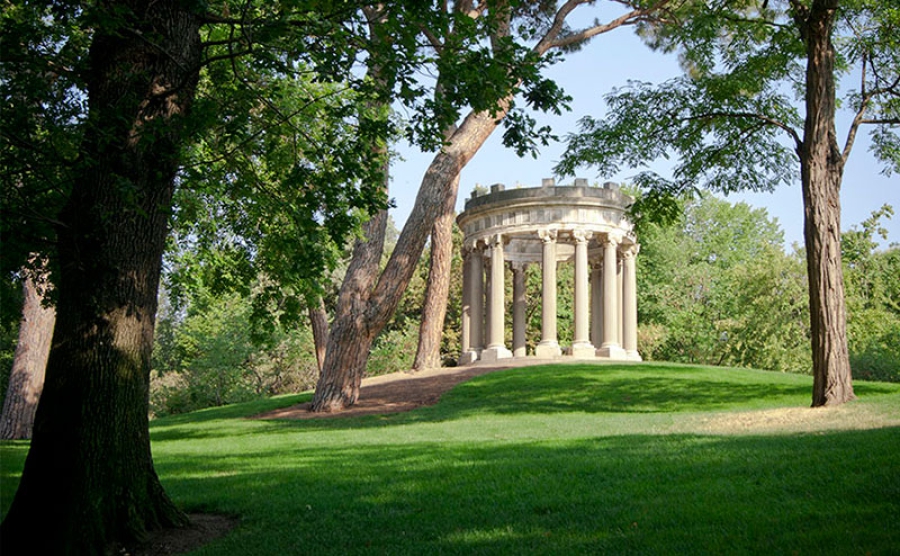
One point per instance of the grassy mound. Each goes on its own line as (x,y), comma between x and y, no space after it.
(556,459)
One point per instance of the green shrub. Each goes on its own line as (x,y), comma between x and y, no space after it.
(394,350)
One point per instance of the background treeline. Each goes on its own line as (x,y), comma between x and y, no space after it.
(716,286)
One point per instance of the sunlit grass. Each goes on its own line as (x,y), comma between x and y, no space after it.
(557,459)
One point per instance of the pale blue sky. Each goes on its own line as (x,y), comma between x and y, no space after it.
(609,61)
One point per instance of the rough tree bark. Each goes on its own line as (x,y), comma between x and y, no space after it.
(318,320)
(434,308)
(364,304)
(89,476)
(344,358)
(26,380)
(821,172)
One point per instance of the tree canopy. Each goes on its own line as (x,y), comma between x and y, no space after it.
(733,121)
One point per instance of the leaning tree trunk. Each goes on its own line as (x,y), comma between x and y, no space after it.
(362,311)
(89,477)
(29,363)
(350,339)
(822,168)
(434,309)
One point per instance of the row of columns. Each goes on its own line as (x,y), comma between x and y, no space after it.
(605,301)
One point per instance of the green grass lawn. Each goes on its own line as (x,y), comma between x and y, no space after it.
(556,459)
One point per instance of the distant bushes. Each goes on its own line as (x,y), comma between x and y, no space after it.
(209,357)
(716,287)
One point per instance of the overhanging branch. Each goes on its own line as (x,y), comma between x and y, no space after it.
(798,142)
(553,40)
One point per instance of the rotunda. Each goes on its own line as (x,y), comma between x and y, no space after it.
(547,225)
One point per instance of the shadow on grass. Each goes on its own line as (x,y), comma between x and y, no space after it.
(834,493)
(571,392)
(652,388)
(218,422)
(233,411)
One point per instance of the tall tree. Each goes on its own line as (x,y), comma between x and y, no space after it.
(726,119)
(41,121)
(437,290)
(485,79)
(26,379)
(89,475)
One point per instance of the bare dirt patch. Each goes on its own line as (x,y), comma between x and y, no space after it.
(398,392)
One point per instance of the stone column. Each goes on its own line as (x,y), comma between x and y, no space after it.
(519,309)
(610,347)
(581,344)
(496,348)
(597,303)
(465,314)
(486,300)
(477,301)
(629,299)
(549,345)
(621,315)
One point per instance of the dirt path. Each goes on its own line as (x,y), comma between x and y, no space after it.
(398,392)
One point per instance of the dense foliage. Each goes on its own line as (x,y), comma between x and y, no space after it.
(714,287)
(717,287)
(207,356)
(873,300)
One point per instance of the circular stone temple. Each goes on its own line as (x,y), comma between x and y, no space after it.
(547,225)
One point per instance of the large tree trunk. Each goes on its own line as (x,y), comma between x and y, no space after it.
(89,476)
(362,312)
(434,308)
(822,169)
(350,338)
(26,380)
(318,321)
(437,288)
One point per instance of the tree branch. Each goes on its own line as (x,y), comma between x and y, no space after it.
(433,39)
(858,118)
(881,121)
(222,42)
(798,142)
(552,40)
(229,56)
(867,96)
